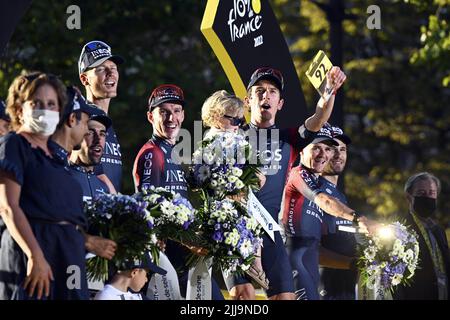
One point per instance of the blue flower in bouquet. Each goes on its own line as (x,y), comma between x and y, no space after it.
(173,214)
(390,257)
(232,237)
(125,220)
(224,165)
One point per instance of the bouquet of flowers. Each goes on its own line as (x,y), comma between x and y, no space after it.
(224,165)
(125,220)
(230,235)
(173,215)
(389,258)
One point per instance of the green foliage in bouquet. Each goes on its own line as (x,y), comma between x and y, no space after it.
(125,220)
(174,216)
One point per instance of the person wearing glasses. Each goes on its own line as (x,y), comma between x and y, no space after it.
(43,248)
(280,149)
(222,111)
(99,74)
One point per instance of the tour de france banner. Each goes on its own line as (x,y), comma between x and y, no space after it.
(245,35)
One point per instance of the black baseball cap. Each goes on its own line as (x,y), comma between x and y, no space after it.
(3,114)
(267,73)
(325,135)
(144,263)
(100,116)
(94,53)
(166,93)
(338,133)
(76,102)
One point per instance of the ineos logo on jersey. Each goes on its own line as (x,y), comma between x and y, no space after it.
(267,156)
(113,149)
(242,19)
(175,176)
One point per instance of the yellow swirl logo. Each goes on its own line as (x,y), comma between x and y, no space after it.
(244,18)
(256,6)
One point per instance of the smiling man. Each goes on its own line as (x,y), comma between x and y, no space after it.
(153,165)
(98,71)
(304,204)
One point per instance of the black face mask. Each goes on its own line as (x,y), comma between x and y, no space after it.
(424,206)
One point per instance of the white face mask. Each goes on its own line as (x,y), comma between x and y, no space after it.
(41,121)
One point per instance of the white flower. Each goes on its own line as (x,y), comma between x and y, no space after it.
(232,179)
(246,248)
(396,279)
(245,267)
(182,217)
(232,238)
(222,216)
(236,171)
(239,184)
(398,247)
(214,183)
(251,223)
(227,206)
(370,253)
(167,208)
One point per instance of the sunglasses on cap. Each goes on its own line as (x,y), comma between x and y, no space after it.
(234,121)
(95,45)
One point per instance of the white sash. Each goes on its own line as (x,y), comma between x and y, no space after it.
(164,287)
(257,210)
(199,281)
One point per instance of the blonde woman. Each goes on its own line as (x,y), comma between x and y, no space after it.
(224,112)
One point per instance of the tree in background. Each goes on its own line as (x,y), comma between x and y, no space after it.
(396,96)
(160,40)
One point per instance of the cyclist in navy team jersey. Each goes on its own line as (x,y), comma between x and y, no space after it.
(98,71)
(154,165)
(278,149)
(303,207)
(84,160)
(338,248)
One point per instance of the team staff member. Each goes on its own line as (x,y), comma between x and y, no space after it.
(338,248)
(153,165)
(264,99)
(99,74)
(41,202)
(304,203)
(431,279)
